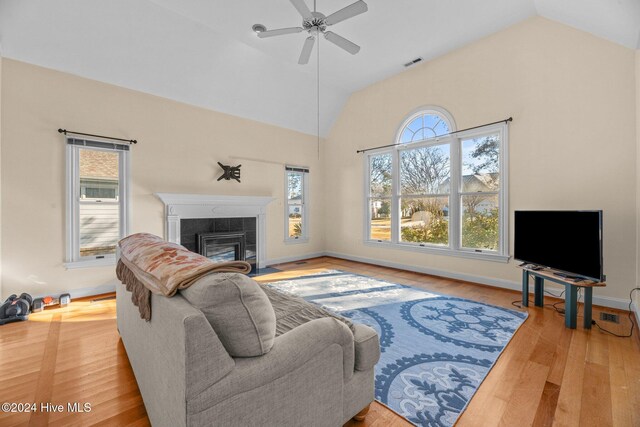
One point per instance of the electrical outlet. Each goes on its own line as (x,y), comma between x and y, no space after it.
(609,317)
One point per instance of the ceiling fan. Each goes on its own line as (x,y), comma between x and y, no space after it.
(315,23)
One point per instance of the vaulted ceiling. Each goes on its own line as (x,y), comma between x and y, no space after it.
(203,52)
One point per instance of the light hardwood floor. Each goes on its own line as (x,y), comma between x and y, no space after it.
(547,375)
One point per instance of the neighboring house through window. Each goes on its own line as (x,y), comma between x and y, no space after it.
(296,212)
(437,192)
(97,208)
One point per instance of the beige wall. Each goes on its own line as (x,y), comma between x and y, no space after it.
(178,148)
(572,141)
(637,293)
(1,294)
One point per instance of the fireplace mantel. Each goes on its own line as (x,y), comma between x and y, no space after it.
(190,206)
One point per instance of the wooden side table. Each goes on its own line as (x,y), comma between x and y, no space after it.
(571,294)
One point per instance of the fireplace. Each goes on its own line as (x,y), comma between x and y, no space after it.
(188,217)
(221,239)
(222,247)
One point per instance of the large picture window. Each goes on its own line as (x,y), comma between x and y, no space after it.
(296,217)
(440,192)
(97,207)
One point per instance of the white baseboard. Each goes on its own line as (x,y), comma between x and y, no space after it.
(84,292)
(604,301)
(428,270)
(274,261)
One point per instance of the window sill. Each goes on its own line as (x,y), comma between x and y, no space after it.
(105,262)
(486,256)
(296,241)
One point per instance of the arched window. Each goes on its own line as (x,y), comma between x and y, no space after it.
(440,192)
(424,125)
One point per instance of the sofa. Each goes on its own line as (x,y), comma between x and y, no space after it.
(228,351)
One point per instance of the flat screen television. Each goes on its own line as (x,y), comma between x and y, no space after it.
(567,241)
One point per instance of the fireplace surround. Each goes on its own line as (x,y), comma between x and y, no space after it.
(189,216)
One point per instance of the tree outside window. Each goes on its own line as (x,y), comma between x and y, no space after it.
(296,216)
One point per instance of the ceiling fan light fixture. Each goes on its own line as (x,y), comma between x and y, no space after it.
(315,24)
(258,28)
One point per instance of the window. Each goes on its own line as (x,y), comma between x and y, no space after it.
(379,202)
(437,192)
(480,192)
(97,191)
(424,194)
(296,217)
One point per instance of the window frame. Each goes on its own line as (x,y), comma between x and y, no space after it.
(502,130)
(432,142)
(425,110)
(73,259)
(304,204)
(455,247)
(368,197)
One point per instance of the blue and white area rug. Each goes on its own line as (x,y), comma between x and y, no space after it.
(435,350)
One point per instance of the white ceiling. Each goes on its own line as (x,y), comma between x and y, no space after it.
(204,53)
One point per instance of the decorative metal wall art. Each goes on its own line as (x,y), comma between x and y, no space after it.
(230,172)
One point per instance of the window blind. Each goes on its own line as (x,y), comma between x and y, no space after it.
(98,144)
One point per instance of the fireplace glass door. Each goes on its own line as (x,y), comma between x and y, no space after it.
(222,247)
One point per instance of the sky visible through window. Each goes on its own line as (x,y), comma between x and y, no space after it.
(424,127)
(486,163)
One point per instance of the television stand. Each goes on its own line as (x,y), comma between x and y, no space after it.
(570,292)
(569,276)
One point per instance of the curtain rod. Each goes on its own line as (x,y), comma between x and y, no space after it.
(130,141)
(510,119)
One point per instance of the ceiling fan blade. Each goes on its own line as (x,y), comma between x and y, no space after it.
(302,8)
(280,32)
(340,41)
(306,50)
(348,12)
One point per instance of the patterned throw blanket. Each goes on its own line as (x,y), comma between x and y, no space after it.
(149,264)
